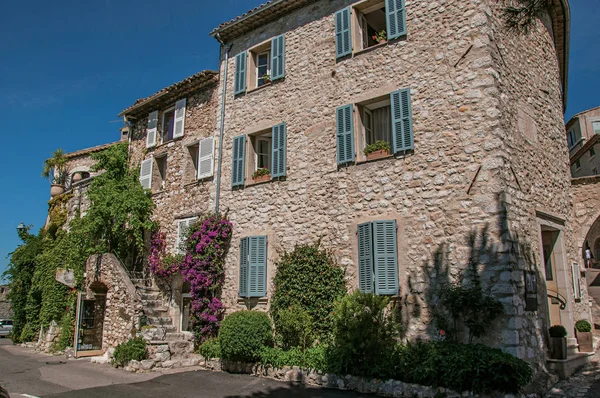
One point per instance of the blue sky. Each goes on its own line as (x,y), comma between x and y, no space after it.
(68,67)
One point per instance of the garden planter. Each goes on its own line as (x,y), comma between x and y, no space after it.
(77,177)
(558,347)
(585,341)
(56,190)
(259,179)
(382,153)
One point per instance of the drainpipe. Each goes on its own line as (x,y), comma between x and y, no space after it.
(224,94)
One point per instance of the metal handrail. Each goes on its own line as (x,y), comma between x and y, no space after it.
(561,299)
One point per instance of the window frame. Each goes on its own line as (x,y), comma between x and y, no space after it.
(359,14)
(178,222)
(372,259)
(163,131)
(577,164)
(592,152)
(183,297)
(258,66)
(268,154)
(161,160)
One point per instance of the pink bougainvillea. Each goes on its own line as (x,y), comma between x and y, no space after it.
(203,267)
(161,264)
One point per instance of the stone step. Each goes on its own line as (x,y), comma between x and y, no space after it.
(150,296)
(147,289)
(152,303)
(159,321)
(179,336)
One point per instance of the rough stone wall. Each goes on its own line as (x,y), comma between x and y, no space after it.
(123,305)
(535,171)
(590,164)
(448,189)
(183,195)
(5,307)
(586,197)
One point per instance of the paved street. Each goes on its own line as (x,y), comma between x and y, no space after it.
(26,374)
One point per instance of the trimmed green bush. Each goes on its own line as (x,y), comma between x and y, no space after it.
(460,367)
(312,358)
(243,335)
(294,328)
(377,146)
(132,350)
(583,326)
(210,349)
(557,331)
(309,277)
(363,334)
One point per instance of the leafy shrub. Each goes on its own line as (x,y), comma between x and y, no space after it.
(261,172)
(294,328)
(454,366)
(583,326)
(210,349)
(377,146)
(243,334)
(363,334)
(557,331)
(308,277)
(312,358)
(132,350)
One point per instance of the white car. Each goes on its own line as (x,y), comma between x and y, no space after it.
(6,326)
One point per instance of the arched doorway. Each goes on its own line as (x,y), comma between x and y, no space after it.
(90,321)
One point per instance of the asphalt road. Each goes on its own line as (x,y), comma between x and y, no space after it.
(27,374)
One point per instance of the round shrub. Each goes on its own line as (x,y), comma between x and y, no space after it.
(583,326)
(132,350)
(210,349)
(243,334)
(557,331)
(309,277)
(294,328)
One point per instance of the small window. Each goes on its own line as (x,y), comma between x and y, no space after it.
(377,122)
(262,145)
(191,167)
(578,165)
(592,152)
(571,138)
(263,68)
(161,167)
(183,227)
(372,25)
(596,127)
(595,171)
(168,125)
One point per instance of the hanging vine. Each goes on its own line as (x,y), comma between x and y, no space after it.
(203,266)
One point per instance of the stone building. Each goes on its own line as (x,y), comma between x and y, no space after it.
(582,137)
(5,308)
(473,169)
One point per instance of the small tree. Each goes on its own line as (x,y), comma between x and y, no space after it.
(55,168)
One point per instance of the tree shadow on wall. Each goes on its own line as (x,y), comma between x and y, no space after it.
(495,259)
(293,390)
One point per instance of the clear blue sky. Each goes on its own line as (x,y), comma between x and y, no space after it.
(68,67)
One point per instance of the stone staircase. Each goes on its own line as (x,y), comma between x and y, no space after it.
(167,348)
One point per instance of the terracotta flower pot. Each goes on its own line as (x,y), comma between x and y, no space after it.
(558,347)
(259,179)
(382,153)
(585,341)
(76,177)
(57,189)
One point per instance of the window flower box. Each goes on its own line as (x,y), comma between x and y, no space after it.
(382,153)
(378,150)
(261,175)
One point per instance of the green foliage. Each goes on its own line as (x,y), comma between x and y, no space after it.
(55,168)
(243,334)
(377,145)
(67,324)
(460,367)
(261,172)
(363,333)
(308,277)
(558,331)
(583,326)
(210,349)
(312,358)
(132,350)
(294,328)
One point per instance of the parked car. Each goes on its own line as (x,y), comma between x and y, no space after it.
(6,326)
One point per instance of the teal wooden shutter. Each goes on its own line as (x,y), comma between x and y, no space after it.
(243,268)
(343,36)
(345,134)
(240,73)
(402,125)
(365,258)
(257,266)
(396,18)
(239,161)
(385,257)
(278,163)
(278,57)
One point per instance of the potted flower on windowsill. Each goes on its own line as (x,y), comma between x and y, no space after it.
(380,37)
(55,169)
(558,342)
(266,78)
(261,175)
(379,149)
(583,331)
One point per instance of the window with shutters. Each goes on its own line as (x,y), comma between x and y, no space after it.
(160,176)
(368,23)
(387,118)
(183,226)
(166,125)
(260,151)
(263,159)
(260,65)
(200,160)
(378,257)
(253,267)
